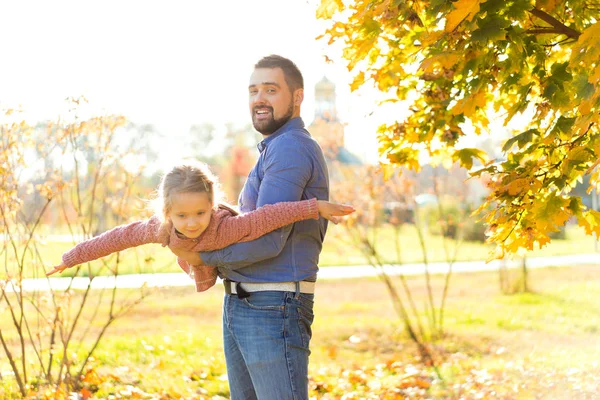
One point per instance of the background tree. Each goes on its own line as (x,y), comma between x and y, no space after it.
(532,63)
(49,334)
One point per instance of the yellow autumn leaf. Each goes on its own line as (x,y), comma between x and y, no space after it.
(429,38)
(497,253)
(328,8)
(468,105)
(551,212)
(587,48)
(388,171)
(517,186)
(445,60)
(463,10)
(595,77)
(359,79)
(543,240)
(380,9)
(585,107)
(590,221)
(516,242)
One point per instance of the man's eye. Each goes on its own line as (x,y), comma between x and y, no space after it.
(271,91)
(253,92)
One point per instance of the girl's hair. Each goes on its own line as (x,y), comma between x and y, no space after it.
(188,177)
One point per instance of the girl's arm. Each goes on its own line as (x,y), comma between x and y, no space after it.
(117,239)
(250,226)
(204,277)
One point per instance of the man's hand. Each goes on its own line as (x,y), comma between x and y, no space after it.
(191,257)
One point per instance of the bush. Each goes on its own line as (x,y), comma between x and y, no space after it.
(474,231)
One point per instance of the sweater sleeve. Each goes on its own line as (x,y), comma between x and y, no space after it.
(204,277)
(117,239)
(252,225)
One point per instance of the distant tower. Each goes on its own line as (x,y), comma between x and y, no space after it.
(326,127)
(325,100)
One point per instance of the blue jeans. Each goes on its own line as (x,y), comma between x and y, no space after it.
(266,339)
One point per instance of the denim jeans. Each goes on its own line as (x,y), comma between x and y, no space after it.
(266,339)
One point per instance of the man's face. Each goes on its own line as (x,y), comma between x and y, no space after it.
(271,100)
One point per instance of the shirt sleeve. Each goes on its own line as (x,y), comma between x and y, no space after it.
(287,171)
(254,224)
(117,239)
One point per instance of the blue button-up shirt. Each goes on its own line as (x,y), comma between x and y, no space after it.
(291,167)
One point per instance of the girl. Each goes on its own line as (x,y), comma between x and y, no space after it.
(189,220)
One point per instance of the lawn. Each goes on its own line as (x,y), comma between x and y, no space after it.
(539,345)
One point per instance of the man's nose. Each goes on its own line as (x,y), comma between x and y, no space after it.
(259,97)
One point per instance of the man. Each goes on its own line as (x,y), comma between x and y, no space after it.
(269,282)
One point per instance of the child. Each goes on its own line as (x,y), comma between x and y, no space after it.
(189,220)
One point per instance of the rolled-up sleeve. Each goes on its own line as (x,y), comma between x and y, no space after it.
(287,168)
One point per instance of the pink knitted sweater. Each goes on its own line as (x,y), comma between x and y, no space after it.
(226,227)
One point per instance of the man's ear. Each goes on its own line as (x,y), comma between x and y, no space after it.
(298,97)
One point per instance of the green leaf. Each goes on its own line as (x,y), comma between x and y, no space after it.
(583,87)
(563,125)
(491,169)
(465,156)
(492,6)
(559,72)
(490,28)
(550,89)
(576,206)
(518,9)
(521,139)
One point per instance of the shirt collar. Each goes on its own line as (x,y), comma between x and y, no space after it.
(294,123)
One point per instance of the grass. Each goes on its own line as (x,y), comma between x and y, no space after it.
(543,344)
(338,250)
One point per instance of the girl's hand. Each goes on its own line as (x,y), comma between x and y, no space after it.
(333,211)
(58,268)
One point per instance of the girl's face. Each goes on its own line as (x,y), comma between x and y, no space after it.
(190,213)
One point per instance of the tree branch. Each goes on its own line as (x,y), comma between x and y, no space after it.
(558,26)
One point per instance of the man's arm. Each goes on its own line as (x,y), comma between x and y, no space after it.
(288,170)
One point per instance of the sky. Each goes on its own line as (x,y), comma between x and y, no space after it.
(171,64)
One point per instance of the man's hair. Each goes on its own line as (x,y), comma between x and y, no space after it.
(291,73)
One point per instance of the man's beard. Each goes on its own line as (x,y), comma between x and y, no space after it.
(269,126)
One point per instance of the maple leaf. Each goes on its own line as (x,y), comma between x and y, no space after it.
(328,8)
(469,105)
(463,10)
(517,186)
(590,221)
(466,156)
(358,81)
(587,48)
(388,171)
(552,212)
(446,60)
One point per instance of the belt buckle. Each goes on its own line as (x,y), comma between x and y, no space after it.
(227,284)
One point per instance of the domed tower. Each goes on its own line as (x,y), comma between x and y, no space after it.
(326,128)
(325,100)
